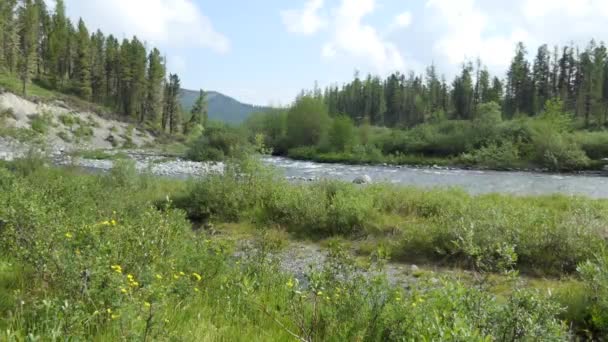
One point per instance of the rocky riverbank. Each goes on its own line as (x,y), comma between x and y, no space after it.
(145,161)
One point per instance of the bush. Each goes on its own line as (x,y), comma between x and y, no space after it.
(342,134)
(90,258)
(595,274)
(494,156)
(217,144)
(595,144)
(41,122)
(557,152)
(307,122)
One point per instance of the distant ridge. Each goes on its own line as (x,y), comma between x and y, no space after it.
(221,107)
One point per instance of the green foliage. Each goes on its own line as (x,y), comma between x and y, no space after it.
(493,156)
(595,274)
(307,122)
(218,143)
(41,122)
(556,151)
(342,134)
(89,257)
(547,234)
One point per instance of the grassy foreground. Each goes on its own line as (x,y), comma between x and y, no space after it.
(114,257)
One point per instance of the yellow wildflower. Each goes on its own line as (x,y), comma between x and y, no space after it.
(69,235)
(176,276)
(123,290)
(117,268)
(147,304)
(134,284)
(290,283)
(113,222)
(319,293)
(196,289)
(197,276)
(159,277)
(105,223)
(115,316)
(182,273)
(109,310)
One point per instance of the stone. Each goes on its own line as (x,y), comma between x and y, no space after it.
(365,179)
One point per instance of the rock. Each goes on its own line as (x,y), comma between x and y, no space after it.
(365,179)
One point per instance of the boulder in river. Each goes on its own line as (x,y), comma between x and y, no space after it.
(365,179)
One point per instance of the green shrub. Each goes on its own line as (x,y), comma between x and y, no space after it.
(494,156)
(83,132)
(217,144)
(68,120)
(595,274)
(41,123)
(595,144)
(558,152)
(92,259)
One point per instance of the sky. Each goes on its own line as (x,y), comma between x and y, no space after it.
(265,51)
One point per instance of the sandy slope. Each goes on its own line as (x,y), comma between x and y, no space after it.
(104,130)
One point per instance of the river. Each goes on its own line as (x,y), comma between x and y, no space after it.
(473,181)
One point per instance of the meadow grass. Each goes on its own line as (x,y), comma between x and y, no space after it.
(114,257)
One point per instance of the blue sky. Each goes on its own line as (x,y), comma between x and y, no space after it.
(265,51)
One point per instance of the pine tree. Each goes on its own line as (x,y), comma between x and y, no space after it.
(462,93)
(44,26)
(112,71)
(98,65)
(198,114)
(171,109)
(28,34)
(154,85)
(484,86)
(519,87)
(9,38)
(496,91)
(82,63)
(542,79)
(58,46)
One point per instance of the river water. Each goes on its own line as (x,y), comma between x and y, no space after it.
(473,181)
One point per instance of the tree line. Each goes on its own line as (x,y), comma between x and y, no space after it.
(579,78)
(37,45)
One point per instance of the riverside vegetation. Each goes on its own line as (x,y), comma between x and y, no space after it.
(549,113)
(107,257)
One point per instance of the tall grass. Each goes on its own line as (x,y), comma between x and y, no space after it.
(547,234)
(107,257)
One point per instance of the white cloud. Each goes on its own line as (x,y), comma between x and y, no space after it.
(353,37)
(535,9)
(348,34)
(163,22)
(306,21)
(465,35)
(403,20)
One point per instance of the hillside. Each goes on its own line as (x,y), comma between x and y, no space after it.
(221,107)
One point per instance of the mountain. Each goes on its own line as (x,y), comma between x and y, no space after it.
(221,107)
